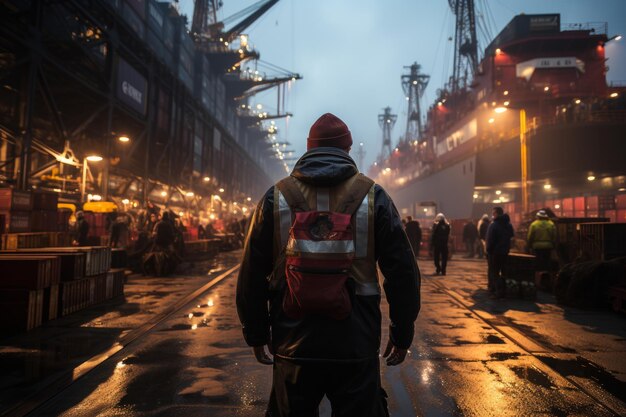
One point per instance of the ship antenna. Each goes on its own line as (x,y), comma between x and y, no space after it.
(386,121)
(465,44)
(414,83)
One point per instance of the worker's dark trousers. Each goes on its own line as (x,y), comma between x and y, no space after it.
(441,258)
(542,259)
(353,389)
(495,273)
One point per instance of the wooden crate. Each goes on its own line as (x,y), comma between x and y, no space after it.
(28,272)
(602,241)
(22,309)
(51,303)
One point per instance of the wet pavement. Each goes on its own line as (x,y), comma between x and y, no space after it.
(175,350)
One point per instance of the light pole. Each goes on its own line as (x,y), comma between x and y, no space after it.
(83,186)
(524,156)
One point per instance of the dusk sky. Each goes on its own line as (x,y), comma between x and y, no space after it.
(351,53)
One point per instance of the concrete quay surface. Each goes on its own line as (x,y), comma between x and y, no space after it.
(173,347)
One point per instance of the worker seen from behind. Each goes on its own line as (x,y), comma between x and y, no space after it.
(542,240)
(439,243)
(483,225)
(164,233)
(414,233)
(311,252)
(81,230)
(499,237)
(470,235)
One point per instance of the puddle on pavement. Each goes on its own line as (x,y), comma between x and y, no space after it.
(533,376)
(504,356)
(582,368)
(493,339)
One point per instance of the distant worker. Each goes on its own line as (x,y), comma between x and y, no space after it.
(164,233)
(311,252)
(542,240)
(483,226)
(81,230)
(499,237)
(414,233)
(439,242)
(470,235)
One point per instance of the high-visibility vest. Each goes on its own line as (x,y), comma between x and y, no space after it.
(363,271)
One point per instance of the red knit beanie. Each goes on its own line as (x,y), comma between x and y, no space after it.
(329,130)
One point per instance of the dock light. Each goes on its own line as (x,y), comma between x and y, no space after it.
(506,92)
(96,197)
(591,178)
(615,38)
(621,189)
(497,201)
(407,99)
(189,194)
(498,51)
(500,109)
(94,158)
(440,104)
(475,195)
(414,82)
(498,192)
(124,139)
(614,95)
(125,201)
(387,169)
(259,106)
(547,186)
(425,210)
(506,103)
(221,190)
(181,213)
(249,199)
(577,101)
(546,88)
(491,120)
(206,179)
(557,206)
(163,193)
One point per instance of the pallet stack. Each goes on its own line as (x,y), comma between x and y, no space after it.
(38,285)
(28,290)
(32,220)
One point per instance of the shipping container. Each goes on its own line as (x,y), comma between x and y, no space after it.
(134,20)
(17,221)
(43,200)
(132,87)
(14,200)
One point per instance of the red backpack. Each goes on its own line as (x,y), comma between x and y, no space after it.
(319,253)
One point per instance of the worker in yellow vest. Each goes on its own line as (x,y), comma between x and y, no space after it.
(542,240)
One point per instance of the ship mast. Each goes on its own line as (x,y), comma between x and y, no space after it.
(465,44)
(386,121)
(414,83)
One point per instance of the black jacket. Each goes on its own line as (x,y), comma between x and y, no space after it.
(499,236)
(440,234)
(470,232)
(413,231)
(357,337)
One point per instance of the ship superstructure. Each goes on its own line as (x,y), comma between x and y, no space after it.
(546,81)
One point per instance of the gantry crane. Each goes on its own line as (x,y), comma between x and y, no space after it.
(414,83)
(386,121)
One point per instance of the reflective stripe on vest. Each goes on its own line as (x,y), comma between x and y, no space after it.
(321,246)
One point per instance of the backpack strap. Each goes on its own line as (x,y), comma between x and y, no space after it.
(361,185)
(289,188)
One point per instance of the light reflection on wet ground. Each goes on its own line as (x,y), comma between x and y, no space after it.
(463,361)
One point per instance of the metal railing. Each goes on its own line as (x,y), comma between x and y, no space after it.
(597,28)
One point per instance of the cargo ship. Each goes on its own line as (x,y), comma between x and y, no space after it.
(539,78)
